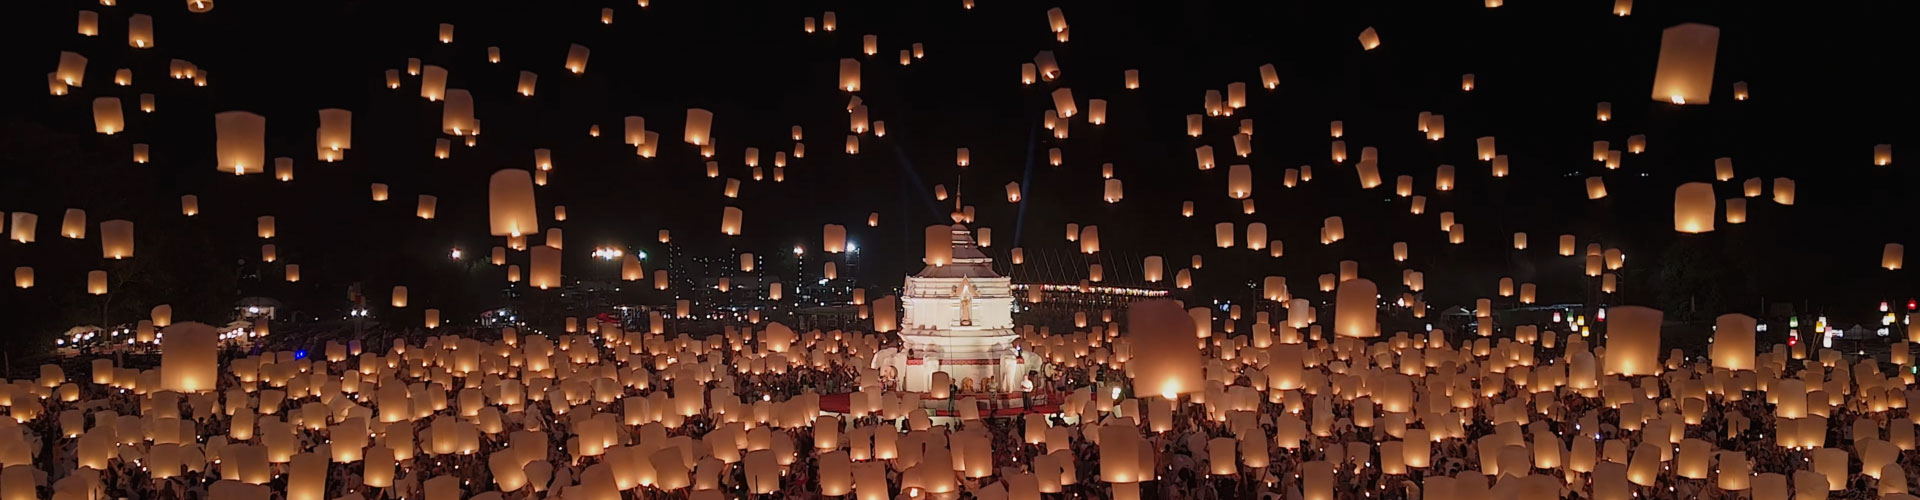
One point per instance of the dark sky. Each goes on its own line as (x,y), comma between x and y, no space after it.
(1823,80)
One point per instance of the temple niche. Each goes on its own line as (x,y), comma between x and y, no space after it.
(959,319)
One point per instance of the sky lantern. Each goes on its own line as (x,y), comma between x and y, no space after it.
(1063,104)
(1485,147)
(1165,362)
(456,116)
(1443,178)
(1113,191)
(1097,111)
(188,361)
(1596,188)
(1369,39)
(107,118)
(1684,74)
(73,225)
(336,129)
(89,23)
(1239,182)
(72,69)
(1333,229)
(140,31)
(1256,236)
(433,82)
(1893,256)
(116,239)
(1693,205)
(1882,155)
(96,282)
(544,271)
(1733,342)
(699,123)
(1633,341)
(939,245)
(1722,169)
(1355,308)
(577,58)
(1783,191)
(24,225)
(528,80)
(241,142)
(23,277)
(730,221)
(510,206)
(1624,8)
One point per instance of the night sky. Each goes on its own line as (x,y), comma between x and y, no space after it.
(1824,81)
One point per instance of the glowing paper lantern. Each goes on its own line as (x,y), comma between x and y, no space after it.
(577,58)
(1369,39)
(1633,341)
(240,142)
(1693,205)
(433,81)
(1684,74)
(544,272)
(1355,309)
(1783,191)
(699,123)
(116,239)
(73,224)
(1596,188)
(107,119)
(189,361)
(510,205)
(1893,256)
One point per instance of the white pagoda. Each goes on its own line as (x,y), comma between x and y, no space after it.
(959,319)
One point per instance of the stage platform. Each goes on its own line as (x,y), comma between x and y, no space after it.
(839,403)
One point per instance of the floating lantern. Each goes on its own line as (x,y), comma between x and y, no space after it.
(939,245)
(528,80)
(1684,74)
(1882,155)
(1693,205)
(116,239)
(107,118)
(1893,256)
(241,142)
(544,271)
(1783,191)
(1369,39)
(73,225)
(433,80)
(139,32)
(1733,342)
(1633,341)
(1132,78)
(336,129)
(577,58)
(1355,308)
(699,123)
(1596,188)
(510,205)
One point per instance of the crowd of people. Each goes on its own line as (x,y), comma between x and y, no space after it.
(1181,465)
